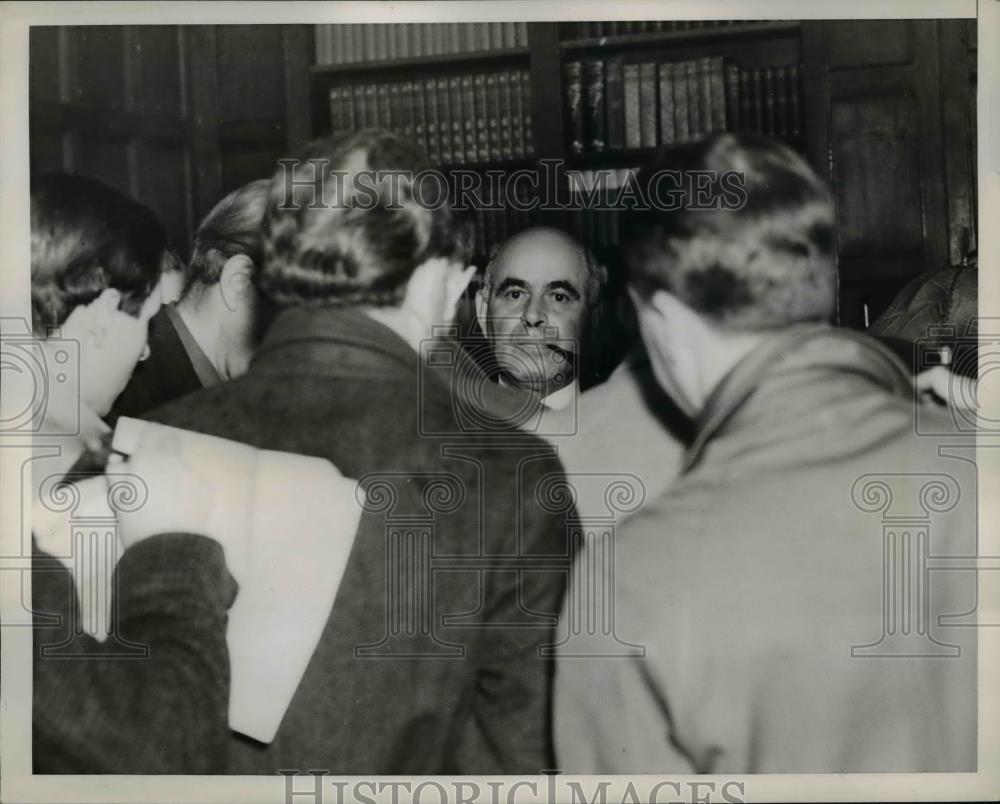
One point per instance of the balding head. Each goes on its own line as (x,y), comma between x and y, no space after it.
(537,293)
(549,245)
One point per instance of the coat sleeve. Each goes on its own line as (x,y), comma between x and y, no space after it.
(610,714)
(153,697)
(506,726)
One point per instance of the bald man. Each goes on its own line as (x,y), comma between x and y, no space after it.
(534,305)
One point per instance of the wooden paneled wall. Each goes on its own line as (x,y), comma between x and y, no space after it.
(176,116)
(899,142)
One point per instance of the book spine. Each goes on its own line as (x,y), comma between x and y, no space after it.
(458,110)
(517,116)
(322,43)
(341,43)
(695,128)
(358,106)
(427,38)
(666,76)
(470,37)
(406,104)
(454,37)
(717,86)
(444,120)
(781,102)
(595,109)
(336,111)
(615,99)
(401,37)
(493,116)
(796,123)
(746,101)
(346,44)
(382,42)
(509,35)
(682,119)
(371,106)
(647,104)
(758,100)
(732,97)
(496,35)
(522,34)
(393,120)
(360,42)
(506,107)
(419,113)
(574,105)
(769,102)
(430,100)
(481,121)
(334,36)
(633,132)
(368,54)
(416,37)
(705,93)
(469,117)
(529,136)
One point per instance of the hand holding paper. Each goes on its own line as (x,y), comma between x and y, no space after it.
(178,495)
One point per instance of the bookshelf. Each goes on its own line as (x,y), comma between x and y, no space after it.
(419,61)
(864,101)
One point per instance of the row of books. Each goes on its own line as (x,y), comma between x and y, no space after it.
(595,30)
(459,119)
(368,42)
(589,223)
(614,105)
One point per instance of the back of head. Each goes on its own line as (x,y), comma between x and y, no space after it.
(232,227)
(87,237)
(350,219)
(739,228)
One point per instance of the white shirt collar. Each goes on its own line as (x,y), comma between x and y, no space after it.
(562,398)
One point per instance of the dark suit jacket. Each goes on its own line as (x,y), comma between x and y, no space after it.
(162,377)
(162,712)
(453,685)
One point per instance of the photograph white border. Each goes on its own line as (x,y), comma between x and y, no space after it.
(18,785)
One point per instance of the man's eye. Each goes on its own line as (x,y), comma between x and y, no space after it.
(562,298)
(512,295)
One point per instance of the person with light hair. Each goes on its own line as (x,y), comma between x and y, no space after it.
(210,334)
(756,593)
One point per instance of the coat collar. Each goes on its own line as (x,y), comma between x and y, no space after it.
(780,387)
(333,341)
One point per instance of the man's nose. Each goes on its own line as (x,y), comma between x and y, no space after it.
(534,314)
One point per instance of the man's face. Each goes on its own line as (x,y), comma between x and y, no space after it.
(534,311)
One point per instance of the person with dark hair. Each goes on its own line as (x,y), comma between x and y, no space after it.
(775,629)
(210,334)
(96,263)
(417,671)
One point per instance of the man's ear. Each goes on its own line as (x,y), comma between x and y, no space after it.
(482,304)
(236,281)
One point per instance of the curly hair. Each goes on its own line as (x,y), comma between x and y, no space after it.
(87,237)
(348,222)
(764,259)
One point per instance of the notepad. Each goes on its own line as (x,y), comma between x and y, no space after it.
(287,523)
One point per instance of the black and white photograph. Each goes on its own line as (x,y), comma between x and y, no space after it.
(495,402)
